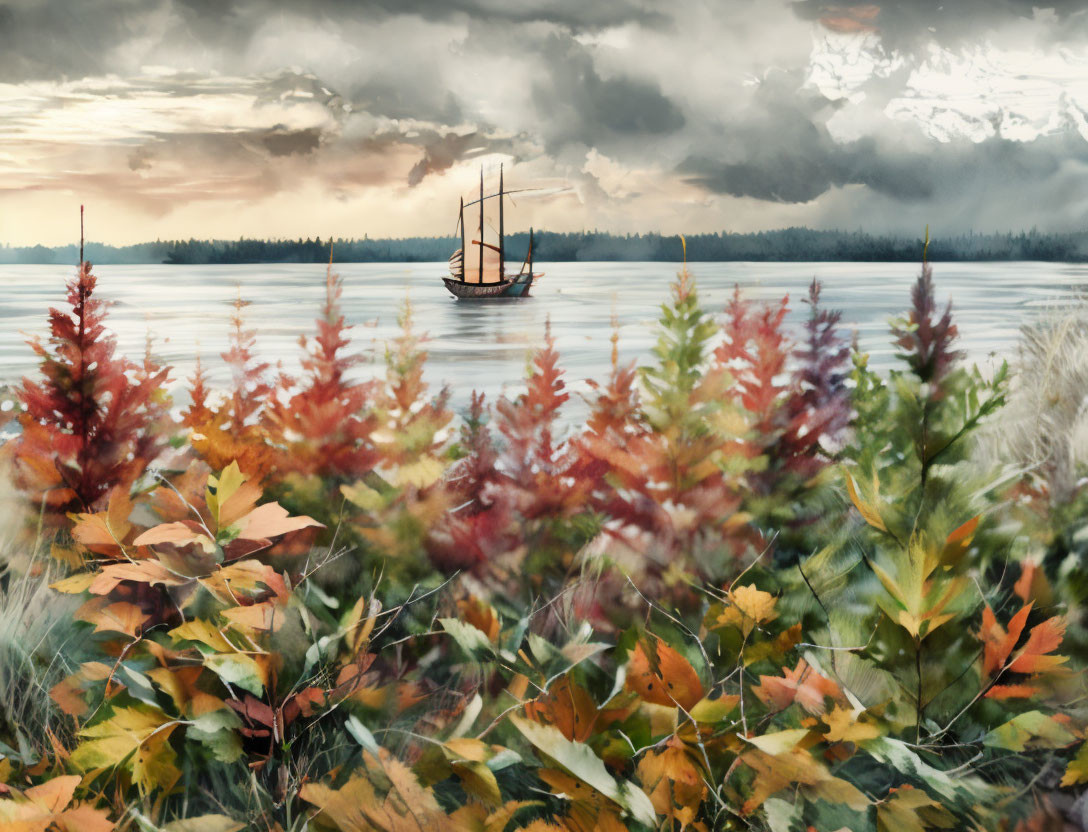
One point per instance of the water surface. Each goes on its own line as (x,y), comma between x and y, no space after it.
(484,345)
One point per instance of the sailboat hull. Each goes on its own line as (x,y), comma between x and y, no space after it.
(467,291)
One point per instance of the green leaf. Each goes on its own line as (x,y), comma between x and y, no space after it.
(361,734)
(139,686)
(471,639)
(238,669)
(1034,729)
(579,759)
(783,815)
(215,730)
(898,755)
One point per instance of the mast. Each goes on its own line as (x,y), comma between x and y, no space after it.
(461,220)
(481,240)
(502,244)
(529,256)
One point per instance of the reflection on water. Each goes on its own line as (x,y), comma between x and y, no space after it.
(483,345)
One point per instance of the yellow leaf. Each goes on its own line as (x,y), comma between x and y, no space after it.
(153,764)
(749,607)
(779,742)
(908,809)
(363,496)
(797,770)
(867,510)
(74,584)
(714,710)
(122,738)
(843,726)
(220,489)
(419,474)
(265,617)
(1077,770)
(357,807)
(356,629)
(754,603)
(204,632)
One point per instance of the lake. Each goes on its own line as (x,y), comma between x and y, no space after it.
(484,345)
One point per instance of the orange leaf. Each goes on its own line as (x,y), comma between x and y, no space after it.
(957,543)
(1023,584)
(120,617)
(669,680)
(802,685)
(178,533)
(53,795)
(144,572)
(265,617)
(239,504)
(69,696)
(673,783)
(568,707)
(244,576)
(271,520)
(1044,637)
(997,644)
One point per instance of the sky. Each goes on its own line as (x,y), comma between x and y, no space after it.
(287,118)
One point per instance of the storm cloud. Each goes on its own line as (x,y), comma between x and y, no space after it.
(643,114)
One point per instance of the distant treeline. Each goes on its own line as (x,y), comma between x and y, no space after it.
(784,244)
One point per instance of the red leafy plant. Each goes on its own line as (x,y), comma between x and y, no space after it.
(86,425)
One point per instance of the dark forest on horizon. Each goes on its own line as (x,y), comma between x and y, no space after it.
(790,244)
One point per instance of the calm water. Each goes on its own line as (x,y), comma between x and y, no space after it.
(484,345)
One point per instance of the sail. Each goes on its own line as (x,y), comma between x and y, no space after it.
(480,253)
(491,272)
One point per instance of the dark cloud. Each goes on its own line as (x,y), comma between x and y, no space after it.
(429,102)
(442,151)
(281,141)
(51,39)
(387,92)
(577,15)
(576,105)
(802,162)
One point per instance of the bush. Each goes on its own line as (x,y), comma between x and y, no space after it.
(757,590)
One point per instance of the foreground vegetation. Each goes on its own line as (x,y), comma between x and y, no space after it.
(762,587)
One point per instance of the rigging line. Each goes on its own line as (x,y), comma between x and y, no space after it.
(507,193)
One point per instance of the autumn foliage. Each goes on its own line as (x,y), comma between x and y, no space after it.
(761,587)
(85,423)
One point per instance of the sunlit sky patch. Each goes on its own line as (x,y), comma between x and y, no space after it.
(179,118)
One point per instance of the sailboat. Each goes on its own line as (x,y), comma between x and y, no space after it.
(478,268)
